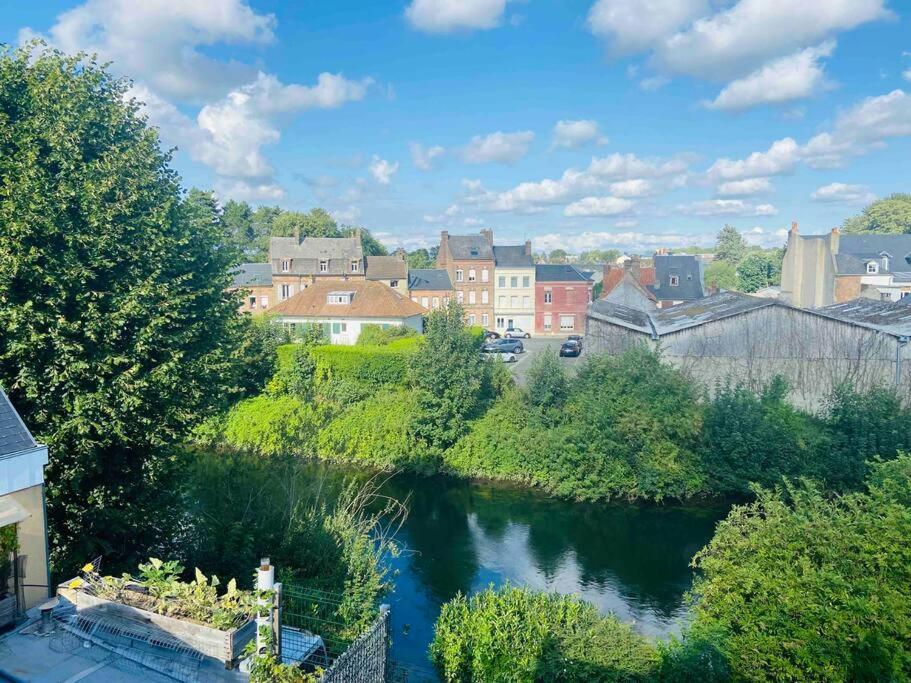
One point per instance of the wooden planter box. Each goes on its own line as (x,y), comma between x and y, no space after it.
(7,610)
(225,646)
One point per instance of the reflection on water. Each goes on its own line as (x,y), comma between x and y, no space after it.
(632,560)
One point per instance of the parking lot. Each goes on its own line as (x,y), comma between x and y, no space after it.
(534,346)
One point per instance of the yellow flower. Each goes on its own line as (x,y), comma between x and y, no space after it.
(75,583)
(89,568)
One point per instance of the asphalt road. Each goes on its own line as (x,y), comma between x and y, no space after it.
(536,345)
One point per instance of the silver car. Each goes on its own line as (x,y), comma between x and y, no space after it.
(492,352)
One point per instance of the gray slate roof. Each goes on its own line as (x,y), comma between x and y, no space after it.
(429,279)
(14,435)
(512,257)
(855,251)
(253,275)
(386,268)
(306,254)
(470,247)
(554,272)
(685,266)
(888,316)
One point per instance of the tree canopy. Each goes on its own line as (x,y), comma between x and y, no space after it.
(891,215)
(114,309)
(730,246)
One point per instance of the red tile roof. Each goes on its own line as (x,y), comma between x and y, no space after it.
(370,300)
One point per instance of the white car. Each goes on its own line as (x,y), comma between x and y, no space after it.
(491,352)
(512,332)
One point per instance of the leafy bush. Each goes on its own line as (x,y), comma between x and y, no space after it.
(375,335)
(546,383)
(294,371)
(797,586)
(370,367)
(376,432)
(517,635)
(272,425)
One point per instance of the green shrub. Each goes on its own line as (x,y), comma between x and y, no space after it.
(376,335)
(272,425)
(294,371)
(516,635)
(798,586)
(370,367)
(376,432)
(546,385)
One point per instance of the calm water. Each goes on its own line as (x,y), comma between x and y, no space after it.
(632,560)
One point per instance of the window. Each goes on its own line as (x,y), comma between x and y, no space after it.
(548,296)
(485,275)
(436,302)
(885,297)
(252,302)
(502,300)
(471,318)
(286,265)
(460,275)
(285,292)
(526,302)
(514,281)
(339,328)
(339,297)
(499,323)
(445,300)
(548,321)
(472,297)
(393,283)
(674,280)
(472,275)
(460,297)
(904,294)
(485,298)
(567,322)
(513,302)
(526,281)
(263,302)
(324,266)
(885,261)
(485,320)
(425,302)
(872,268)
(355,266)
(503,281)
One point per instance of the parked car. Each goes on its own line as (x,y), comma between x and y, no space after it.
(492,351)
(490,334)
(510,345)
(573,347)
(576,338)
(512,332)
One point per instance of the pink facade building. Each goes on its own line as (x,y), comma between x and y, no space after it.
(562,295)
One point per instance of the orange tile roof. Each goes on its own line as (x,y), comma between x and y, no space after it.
(370,300)
(647,276)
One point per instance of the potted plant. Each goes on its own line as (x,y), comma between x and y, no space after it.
(8,546)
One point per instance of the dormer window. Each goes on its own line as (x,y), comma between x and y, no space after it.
(285,265)
(675,280)
(872,268)
(355,266)
(323,266)
(885,263)
(339,297)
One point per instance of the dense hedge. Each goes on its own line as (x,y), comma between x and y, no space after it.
(376,335)
(368,366)
(274,425)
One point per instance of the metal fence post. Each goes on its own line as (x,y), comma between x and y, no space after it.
(387,642)
(277,620)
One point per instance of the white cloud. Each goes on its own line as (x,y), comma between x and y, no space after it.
(907,75)
(844,193)
(781,157)
(653,83)
(631,223)
(727,207)
(743,188)
(382,171)
(577,133)
(423,157)
(598,206)
(638,187)
(629,166)
(445,16)
(159,42)
(782,80)
(499,147)
(346,216)
(763,237)
(243,190)
(739,39)
(628,241)
(633,25)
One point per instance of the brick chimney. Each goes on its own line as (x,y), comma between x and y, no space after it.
(487,233)
(633,266)
(834,240)
(400,252)
(443,253)
(528,247)
(794,227)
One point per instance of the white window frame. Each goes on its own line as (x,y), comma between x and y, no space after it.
(514,301)
(472,275)
(286,292)
(460,275)
(471,318)
(548,321)
(425,302)
(872,268)
(485,297)
(485,275)
(355,266)
(485,320)
(251,301)
(526,302)
(460,297)
(264,302)
(472,298)
(674,280)
(503,282)
(502,301)
(435,302)
(513,281)
(286,265)
(572,324)
(548,296)
(324,266)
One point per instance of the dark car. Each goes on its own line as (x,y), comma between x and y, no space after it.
(573,347)
(576,338)
(490,334)
(511,345)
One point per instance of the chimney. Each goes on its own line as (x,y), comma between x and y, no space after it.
(296,232)
(400,252)
(834,239)
(528,247)
(633,266)
(794,227)
(487,233)
(443,252)
(713,287)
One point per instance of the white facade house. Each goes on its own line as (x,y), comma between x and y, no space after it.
(342,309)
(514,288)
(22,462)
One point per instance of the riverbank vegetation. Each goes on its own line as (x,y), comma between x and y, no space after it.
(797,585)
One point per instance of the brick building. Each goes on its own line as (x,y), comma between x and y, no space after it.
(469,260)
(299,262)
(430,287)
(562,295)
(255,279)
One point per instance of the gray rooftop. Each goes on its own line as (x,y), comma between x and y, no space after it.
(555,272)
(470,247)
(306,254)
(386,268)
(512,257)
(855,251)
(14,435)
(253,275)
(429,279)
(687,268)
(891,317)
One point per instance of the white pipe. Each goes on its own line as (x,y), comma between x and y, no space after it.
(265,581)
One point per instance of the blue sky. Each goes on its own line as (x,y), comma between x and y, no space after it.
(576,123)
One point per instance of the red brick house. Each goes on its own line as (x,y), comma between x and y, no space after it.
(562,295)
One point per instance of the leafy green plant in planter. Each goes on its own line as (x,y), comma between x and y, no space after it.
(9,543)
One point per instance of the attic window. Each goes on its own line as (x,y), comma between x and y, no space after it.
(885,262)
(675,280)
(285,265)
(355,266)
(872,268)
(339,297)
(324,266)
(474,252)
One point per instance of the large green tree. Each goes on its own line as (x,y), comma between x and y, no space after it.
(721,274)
(759,269)
(729,245)
(419,259)
(248,232)
(114,316)
(891,214)
(314,223)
